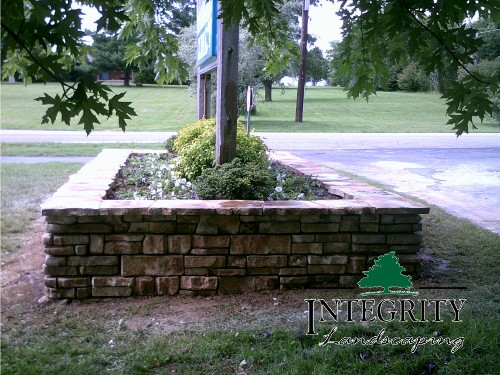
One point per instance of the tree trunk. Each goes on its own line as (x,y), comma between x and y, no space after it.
(268,90)
(126,80)
(227,93)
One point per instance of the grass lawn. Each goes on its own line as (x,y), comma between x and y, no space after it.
(326,109)
(236,336)
(158,108)
(24,187)
(69,149)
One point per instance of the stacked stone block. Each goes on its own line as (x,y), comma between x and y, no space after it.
(206,253)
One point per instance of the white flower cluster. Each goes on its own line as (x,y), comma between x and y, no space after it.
(161,179)
(153,176)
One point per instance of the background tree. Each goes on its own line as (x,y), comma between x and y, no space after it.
(489,31)
(316,66)
(487,59)
(334,58)
(413,78)
(157,42)
(108,54)
(435,37)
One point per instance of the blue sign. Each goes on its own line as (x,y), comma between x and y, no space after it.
(206,35)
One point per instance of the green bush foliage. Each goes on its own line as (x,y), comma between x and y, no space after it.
(413,78)
(169,143)
(195,146)
(487,70)
(146,75)
(235,180)
(191,132)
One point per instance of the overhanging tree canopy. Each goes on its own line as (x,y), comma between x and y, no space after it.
(43,39)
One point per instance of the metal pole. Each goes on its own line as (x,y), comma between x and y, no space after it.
(249,106)
(299,108)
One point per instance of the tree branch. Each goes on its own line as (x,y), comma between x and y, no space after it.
(444,44)
(23,46)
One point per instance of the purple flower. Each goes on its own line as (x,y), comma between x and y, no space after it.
(364,355)
(267,335)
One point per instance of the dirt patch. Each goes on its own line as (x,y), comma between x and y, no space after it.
(433,267)
(22,273)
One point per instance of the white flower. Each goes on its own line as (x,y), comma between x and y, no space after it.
(300,196)
(278,189)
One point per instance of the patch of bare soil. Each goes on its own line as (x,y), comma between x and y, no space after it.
(22,274)
(434,268)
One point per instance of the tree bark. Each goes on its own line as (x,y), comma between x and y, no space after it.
(227,93)
(126,81)
(268,90)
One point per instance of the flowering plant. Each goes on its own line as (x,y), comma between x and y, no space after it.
(153,176)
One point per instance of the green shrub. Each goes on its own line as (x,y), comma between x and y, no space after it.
(191,132)
(196,156)
(235,180)
(195,147)
(488,70)
(146,75)
(169,143)
(412,78)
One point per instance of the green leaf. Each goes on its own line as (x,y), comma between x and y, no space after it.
(57,106)
(123,110)
(88,120)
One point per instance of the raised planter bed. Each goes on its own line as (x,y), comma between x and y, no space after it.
(116,248)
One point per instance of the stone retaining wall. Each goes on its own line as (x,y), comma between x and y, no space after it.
(102,248)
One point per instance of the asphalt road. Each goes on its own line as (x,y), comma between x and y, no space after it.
(461,175)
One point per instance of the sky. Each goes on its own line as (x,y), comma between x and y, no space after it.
(324,24)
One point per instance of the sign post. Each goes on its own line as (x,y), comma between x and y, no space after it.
(227,93)
(249,106)
(206,53)
(217,49)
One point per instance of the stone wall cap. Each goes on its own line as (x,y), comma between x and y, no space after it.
(84,194)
